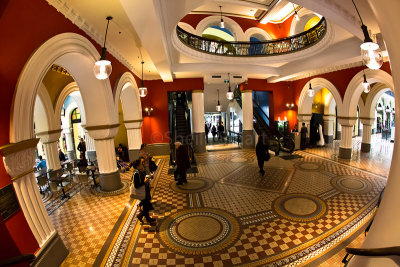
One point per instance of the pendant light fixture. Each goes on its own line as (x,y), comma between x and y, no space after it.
(102,68)
(310,91)
(219,108)
(142,89)
(222,20)
(370,52)
(296,16)
(229,94)
(365,84)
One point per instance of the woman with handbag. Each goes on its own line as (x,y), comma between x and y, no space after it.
(140,189)
(262,153)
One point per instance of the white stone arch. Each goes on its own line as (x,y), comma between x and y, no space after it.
(298,26)
(305,102)
(374,95)
(187,27)
(71,90)
(230,24)
(330,105)
(127,91)
(354,89)
(77,55)
(250,32)
(43,111)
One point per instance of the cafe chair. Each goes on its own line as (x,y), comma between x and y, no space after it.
(42,183)
(54,187)
(83,178)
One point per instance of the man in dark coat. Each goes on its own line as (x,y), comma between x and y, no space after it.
(82,147)
(182,162)
(262,153)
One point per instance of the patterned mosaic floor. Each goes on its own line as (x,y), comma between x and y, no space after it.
(227,214)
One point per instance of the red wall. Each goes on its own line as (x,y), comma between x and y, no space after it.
(24,26)
(276,31)
(155,128)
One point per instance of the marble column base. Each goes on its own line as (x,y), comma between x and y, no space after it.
(344,153)
(365,147)
(248,139)
(199,142)
(71,155)
(328,139)
(133,154)
(110,181)
(91,155)
(338,135)
(53,254)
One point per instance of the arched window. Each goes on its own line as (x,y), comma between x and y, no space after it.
(311,23)
(76,116)
(218,34)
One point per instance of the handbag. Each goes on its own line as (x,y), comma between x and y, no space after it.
(267,156)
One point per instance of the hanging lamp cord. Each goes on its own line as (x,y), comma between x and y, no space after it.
(142,74)
(358,12)
(220,10)
(105,37)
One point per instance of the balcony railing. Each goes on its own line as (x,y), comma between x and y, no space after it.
(250,49)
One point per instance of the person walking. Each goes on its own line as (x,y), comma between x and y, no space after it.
(262,153)
(82,147)
(140,189)
(206,130)
(303,135)
(221,130)
(214,132)
(182,162)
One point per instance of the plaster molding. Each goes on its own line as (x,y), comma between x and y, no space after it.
(324,43)
(230,25)
(65,8)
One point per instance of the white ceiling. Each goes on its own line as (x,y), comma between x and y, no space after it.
(149,25)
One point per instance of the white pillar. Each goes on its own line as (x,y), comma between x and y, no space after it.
(90,147)
(69,143)
(329,121)
(49,140)
(346,141)
(199,139)
(134,134)
(366,134)
(103,136)
(247,107)
(19,159)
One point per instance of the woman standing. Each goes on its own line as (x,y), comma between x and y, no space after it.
(182,162)
(262,153)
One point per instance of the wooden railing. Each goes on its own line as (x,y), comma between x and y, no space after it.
(250,49)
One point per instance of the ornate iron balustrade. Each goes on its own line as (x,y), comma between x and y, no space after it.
(248,49)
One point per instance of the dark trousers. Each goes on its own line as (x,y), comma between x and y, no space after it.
(144,213)
(261,165)
(146,207)
(180,175)
(303,142)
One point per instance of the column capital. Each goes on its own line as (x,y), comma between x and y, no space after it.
(133,124)
(367,121)
(347,121)
(102,132)
(304,117)
(329,117)
(19,158)
(49,136)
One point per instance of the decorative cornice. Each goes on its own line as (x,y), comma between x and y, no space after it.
(197,91)
(22,175)
(16,147)
(76,18)
(247,91)
(59,69)
(48,132)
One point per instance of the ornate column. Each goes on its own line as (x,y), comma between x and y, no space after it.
(339,132)
(199,137)
(19,159)
(70,144)
(90,148)
(49,140)
(247,107)
(329,121)
(346,141)
(103,136)
(366,133)
(306,118)
(134,133)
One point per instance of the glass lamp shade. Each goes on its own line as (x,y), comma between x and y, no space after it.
(222,23)
(371,55)
(310,92)
(219,108)
(102,69)
(229,95)
(366,86)
(142,91)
